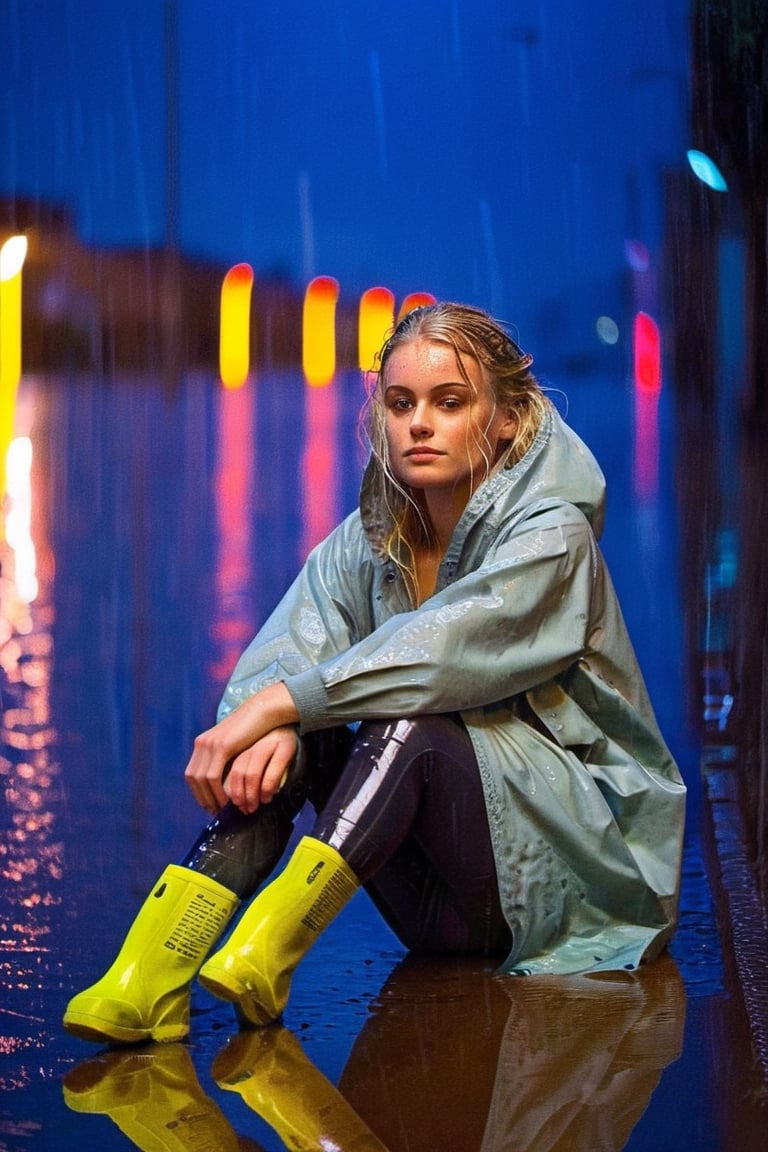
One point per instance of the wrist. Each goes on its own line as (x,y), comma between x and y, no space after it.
(279,705)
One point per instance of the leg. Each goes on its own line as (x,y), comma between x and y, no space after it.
(408,816)
(144,995)
(241,850)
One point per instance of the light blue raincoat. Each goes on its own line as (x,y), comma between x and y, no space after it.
(525,638)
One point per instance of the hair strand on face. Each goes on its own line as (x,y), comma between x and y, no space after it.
(469,332)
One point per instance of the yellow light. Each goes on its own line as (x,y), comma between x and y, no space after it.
(12,256)
(235,329)
(415,300)
(375,322)
(319,331)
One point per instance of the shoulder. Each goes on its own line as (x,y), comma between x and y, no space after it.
(346,548)
(539,515)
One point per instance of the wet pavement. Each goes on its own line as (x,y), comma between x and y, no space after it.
(164,526)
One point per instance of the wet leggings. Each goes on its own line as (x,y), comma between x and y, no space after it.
(402,803)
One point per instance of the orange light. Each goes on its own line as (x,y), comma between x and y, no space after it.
(375,322)
(319,331)
(415,300)
(647,353)
(235,329)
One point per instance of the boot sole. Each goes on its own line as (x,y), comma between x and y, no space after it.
(102,1032)
(248,1008)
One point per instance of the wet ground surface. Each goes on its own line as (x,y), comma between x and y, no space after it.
(164,528)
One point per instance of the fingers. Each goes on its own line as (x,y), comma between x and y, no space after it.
(236,741)
(257,774)
(206,771)
(221,769)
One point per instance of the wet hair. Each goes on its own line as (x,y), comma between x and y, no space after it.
(473,333)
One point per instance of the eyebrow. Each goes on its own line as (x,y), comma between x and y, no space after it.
(434,388)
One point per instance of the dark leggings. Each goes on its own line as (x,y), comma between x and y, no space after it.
(402,803)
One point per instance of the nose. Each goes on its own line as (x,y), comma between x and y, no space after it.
(420,426)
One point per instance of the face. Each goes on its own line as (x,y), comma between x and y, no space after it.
(443,434)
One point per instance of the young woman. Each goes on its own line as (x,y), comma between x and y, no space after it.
(449,682)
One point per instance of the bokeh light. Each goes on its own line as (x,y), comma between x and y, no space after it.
(607,330)
(647,354)
(18,517)
(12,256)
(705,169)
(319,331)
(415,300)
(375,322)
(234,334)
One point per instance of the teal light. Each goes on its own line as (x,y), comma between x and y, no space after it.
(706,170)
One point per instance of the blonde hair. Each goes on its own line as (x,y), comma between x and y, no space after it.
(470,332)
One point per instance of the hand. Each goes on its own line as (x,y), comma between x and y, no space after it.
(216,752)
(259,772)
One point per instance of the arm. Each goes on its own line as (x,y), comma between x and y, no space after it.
(245,756)
(519,619)
(324,612)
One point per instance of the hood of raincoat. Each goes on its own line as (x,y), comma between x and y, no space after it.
(557,466)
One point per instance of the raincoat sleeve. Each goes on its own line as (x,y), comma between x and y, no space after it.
(323,613)
(518,619)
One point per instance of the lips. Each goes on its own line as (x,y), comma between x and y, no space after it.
(423,453)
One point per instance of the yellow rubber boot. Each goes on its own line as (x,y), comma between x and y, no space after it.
(253,970)
(145,993)
(153,1096)
(278,1081)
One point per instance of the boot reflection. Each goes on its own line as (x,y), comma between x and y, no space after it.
(153,1096)
(453,1057)
(279,1082)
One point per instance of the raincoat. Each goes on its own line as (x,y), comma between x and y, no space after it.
(524,638)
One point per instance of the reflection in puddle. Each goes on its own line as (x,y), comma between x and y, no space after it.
(453,1058)
(450,1057)
(31,853)
(153,1096)
(233,624)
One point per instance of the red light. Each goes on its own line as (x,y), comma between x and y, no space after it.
(415,300)
(647,350)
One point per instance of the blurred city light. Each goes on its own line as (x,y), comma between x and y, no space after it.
(647,354)
(375,322)
(319,331)
(12,256)
(638,256)
(607,330)
(233,624)
(647,364)
(235,326)
(706,170)
(320,467)
(415,300)
(18,517)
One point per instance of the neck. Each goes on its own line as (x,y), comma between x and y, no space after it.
(444,510)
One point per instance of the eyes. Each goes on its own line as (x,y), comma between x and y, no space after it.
(402,402)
